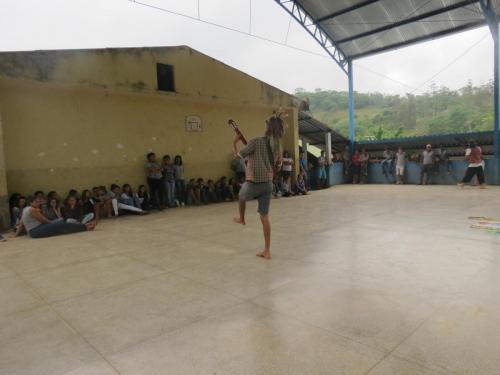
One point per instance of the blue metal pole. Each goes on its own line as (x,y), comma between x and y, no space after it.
(352,124)
(496,95)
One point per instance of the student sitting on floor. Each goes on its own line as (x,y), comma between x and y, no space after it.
(300,185)
(193,193)
(211,193)
(52,210)
(73,211)
(38,226)
(142,196)
(88,204)
(201,188)
(119,203)
(235,187)
(223,188)
(17,210)
(128,197)
(103,204)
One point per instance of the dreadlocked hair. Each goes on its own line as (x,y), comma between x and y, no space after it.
(275,128)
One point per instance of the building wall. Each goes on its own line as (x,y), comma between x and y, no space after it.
(134,69)
(60,136)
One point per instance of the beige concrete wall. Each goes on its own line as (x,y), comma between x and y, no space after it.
(134,69)
(65,136)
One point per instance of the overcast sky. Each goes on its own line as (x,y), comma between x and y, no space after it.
(67,24)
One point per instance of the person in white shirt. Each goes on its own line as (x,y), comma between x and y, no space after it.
(287,166)
(400,165)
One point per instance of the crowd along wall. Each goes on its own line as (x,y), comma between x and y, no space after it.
(64,132)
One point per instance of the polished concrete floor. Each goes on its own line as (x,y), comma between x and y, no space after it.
(364,280)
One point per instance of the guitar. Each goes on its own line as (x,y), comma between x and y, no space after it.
(233,126)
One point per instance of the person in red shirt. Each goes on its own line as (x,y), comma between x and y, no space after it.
(474,155)
(356,166)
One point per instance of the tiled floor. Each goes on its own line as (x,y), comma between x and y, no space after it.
(364,280)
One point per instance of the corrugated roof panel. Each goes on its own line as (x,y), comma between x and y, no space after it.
(346,21)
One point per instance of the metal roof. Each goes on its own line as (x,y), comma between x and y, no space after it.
(351,29)
(314,131)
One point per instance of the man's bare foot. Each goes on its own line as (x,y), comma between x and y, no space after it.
(266,254)
(461,184)
(90,225)
(239,220)
(482,186)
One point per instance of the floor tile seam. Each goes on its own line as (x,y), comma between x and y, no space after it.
(172,331)
(207,285)
(45,269)
(68,325)
(326,330)
(413,331)
(106,290)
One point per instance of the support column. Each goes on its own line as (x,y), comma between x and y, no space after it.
(496,96)
(4,206)
(328,148)
(352,124)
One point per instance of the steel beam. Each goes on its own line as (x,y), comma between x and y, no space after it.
(493,23)
(407,21)
(352,124)
(314,29)
(438,34)
(490,16)
(346,10)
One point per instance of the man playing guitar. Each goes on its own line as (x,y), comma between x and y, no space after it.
(263,155)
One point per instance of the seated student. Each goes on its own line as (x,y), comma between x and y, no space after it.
(300,185)
(142,196)
(193,193)
(230,190)
(74,193)
(103,205)
(38,226)
(119,204)
(41,195)
(52,210)
(287,187)
(235,186)
(200,185)
(73,211)
(13,201)
(224,190)
(128,197)
(17,211)
(88,204)
(211,192)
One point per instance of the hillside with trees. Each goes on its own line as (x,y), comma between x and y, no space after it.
(382,116)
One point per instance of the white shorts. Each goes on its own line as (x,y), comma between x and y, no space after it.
(400,170)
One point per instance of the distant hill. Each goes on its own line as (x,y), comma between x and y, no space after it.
(381,116)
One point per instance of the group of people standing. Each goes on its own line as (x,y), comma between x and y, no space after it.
(431,160)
